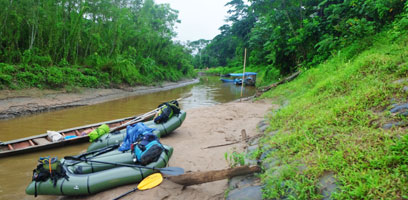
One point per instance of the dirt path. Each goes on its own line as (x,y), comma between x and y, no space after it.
(203,127)
(23,102)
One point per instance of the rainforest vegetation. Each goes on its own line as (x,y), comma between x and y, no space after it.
(284,36)
(341,129)
(95,43)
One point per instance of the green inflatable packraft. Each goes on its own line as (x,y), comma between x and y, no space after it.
(96,177)
(161,130)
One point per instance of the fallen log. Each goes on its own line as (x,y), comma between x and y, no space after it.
(195,178)
(267,88)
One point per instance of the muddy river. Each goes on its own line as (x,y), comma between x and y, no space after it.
(16,171)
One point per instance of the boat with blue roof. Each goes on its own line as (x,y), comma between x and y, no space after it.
(236,78)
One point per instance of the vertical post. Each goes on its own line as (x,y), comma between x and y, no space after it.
(243,75)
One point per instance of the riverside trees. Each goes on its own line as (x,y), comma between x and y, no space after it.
(283,35)
(88,43)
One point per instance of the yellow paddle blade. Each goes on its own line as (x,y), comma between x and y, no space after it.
(150,182)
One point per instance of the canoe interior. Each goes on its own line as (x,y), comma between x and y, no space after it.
(42,141)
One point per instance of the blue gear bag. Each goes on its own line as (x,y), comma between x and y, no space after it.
(133,132)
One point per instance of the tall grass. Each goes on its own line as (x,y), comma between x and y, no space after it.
(333,124)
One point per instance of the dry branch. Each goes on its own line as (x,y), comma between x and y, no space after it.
(210,176)
(287,79)
(244,138)
(221,145)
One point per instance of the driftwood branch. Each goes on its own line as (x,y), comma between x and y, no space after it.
(221,145)
(287,79)
(210,176)
(244,138)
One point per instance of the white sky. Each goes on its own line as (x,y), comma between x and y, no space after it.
(200,19)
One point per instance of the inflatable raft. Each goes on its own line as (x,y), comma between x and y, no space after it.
(88,178)
(162,129)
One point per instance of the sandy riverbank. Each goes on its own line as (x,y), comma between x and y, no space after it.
(23,102)
(203,127)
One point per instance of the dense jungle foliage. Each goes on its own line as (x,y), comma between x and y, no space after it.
(95,43)
(283,36)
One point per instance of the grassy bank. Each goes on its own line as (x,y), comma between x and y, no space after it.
(332,125)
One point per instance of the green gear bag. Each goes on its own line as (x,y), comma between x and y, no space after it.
(101,130)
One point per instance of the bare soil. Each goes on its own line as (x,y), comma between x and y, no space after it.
(203,127)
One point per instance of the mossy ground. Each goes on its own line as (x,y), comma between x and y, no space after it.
(333,124)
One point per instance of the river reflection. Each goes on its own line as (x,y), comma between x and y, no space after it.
(15,172)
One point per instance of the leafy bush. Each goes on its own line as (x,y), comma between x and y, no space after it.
(5,80)
(270,74)
(32,56)
(7,69)
(125,70)
(28,79)
(89,81)
(55,77)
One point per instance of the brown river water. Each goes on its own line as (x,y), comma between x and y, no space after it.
(16,171)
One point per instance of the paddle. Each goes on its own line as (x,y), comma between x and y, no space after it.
(172,171)
(98,151)
(137,119)
(148,183)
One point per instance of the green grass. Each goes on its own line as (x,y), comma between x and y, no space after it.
(333,124)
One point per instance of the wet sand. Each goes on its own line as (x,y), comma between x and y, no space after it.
(203,127)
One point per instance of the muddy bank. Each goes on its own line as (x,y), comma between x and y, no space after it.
(203,127)
(24,102)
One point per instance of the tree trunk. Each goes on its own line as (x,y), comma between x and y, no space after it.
(210,176)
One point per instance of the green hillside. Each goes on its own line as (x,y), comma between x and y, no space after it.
(336,123)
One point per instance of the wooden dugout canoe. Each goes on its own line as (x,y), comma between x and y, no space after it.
(78,134)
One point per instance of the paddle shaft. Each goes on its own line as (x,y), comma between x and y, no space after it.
(137,119)
(167,170)
(143,117)
(119,197)
(98,151)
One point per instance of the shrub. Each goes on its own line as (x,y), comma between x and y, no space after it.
(55,77)
(125,70)
(28,79)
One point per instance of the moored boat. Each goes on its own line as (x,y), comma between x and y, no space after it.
(224,80)
(236,78)
(161,129)
(96,177)
(71,136)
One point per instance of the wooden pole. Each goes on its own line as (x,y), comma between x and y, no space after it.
(243,75)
